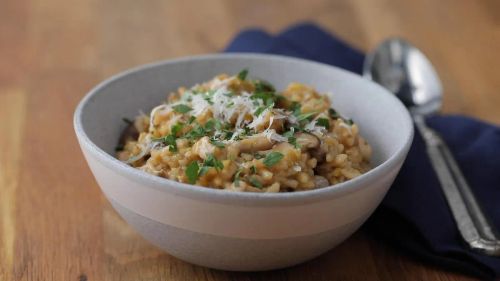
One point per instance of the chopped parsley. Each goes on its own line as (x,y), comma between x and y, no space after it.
(333,114)
(192,172)
(207,96)
(264,86)
(268,98)
(169,140)
(258,156)
(323,122)
(203,170)
(211,161)
(176,128)
(182,108)
(305,116)
(273,158)
(208,99)
(246,132)
(228,134)
(127,121)
(237,178)
(253,169)
(191,119)
(291,138)
(288,134)
(243,74)
(210,125)
(217,143)
(255,182)
(196,133)
(259,110)
(293,141)
(295,108)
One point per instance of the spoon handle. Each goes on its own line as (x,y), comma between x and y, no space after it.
(471,221)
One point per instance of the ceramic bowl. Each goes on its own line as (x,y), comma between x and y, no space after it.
(235,230)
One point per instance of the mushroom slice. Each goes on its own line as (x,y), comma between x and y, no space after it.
(307,141)
(320,181)
(203,147)
(253,144)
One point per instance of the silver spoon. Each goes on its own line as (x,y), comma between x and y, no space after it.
(406,72)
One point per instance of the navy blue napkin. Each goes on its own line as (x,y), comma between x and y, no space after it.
(414,216)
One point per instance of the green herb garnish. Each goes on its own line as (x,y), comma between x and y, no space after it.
(255,182)
(209,125)
(169,140)
(217,143)
(258,156)
(267,98)
(333,114)
(212,124)
(243,74)
(176,128)
(253,169)
(228,134)
(264,86)
(237,178)
(259,110)
(246,132)
(127,121)
(208,99)
(288,134)
(293,141)
(323,122)
(273,158)
(349,122)
(305,116)
(295,108)
(192,172)
(182,108)
(197,132)
(191,119)
(211,161)
(203,170)
(291,138)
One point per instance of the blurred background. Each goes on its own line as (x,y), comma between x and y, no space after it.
(53,51)
(90,40)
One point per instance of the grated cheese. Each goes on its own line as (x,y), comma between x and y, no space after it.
(271,135)
(159,108)
(199,104)
(230,108)
(145,147)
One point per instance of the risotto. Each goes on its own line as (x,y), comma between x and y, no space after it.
(240,134)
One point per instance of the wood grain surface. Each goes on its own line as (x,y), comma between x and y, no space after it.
(55,223)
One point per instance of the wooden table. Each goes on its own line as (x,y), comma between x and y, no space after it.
(54,221)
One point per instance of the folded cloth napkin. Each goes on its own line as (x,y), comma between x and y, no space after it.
(414,215)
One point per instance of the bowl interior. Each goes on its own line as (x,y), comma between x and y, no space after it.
(382,119)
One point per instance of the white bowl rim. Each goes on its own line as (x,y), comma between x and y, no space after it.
(231,197)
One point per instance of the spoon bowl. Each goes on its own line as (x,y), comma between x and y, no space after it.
(405,71)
